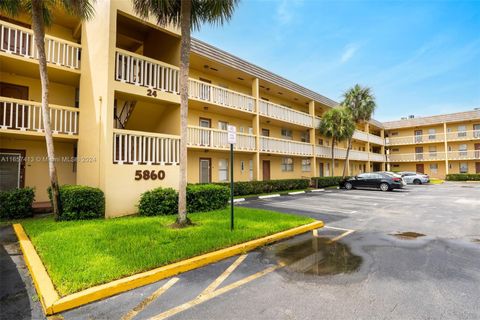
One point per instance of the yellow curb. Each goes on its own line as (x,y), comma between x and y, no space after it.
(52,304)
(43,283)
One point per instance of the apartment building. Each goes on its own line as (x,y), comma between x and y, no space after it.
(115,108)
(436,145)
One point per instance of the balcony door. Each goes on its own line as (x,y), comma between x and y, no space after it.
(418,136)
(205,134)
(476,130)
(205,170)
(12,169)
(419,153)
(476,146)
(11,115)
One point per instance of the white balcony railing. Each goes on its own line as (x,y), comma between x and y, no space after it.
(316,122)
(360,135)
(142,71)
(25,115)
(463,135)
(326,152)
(136,147)
(464,155)
(377,157)
(358,155)
(217,95)
(376,139)
(19,41)
(340,153)
(405,157)
(285,114)
(217,139)
(282,146)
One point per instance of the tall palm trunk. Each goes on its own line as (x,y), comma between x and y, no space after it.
(186,8)
(333,158)
(347,159)
(38,25)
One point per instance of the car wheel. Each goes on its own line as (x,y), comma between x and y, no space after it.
(416,181)
(384,186)
(348,186)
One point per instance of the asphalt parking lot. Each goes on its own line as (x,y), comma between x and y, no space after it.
(406,254)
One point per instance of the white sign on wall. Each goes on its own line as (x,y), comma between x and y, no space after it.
(232,134)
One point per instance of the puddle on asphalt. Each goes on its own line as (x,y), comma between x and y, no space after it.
(409,235)
(315,256)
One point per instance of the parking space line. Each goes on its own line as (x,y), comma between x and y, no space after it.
(142,305)
(346,233)
(202,298)
(214,285)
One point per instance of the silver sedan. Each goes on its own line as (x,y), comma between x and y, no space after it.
(414,177)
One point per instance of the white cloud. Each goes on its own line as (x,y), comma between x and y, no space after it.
(286,10)
(348,52)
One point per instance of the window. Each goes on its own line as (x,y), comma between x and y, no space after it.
(394,134)
(306,166)
(320,142)
(265,132)
(305,137)
(434,167)
(432,150)
(287,134)
(395,149)
(251,170)
(462,150)
(250,130)
(287,164)
(432,134)
(462,131)
(463,167)
(240,129)
(223,170)
(396,166)
(222,125)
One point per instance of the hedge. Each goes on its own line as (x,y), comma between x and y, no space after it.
(463,177)
(16,203)
(322,182)
(200,198)
(80,202)
(243,188)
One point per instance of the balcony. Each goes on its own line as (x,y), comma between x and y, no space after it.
(326,152)
(368,137)
(203,91)
(282,113)
(463,135)
(199,137)
(21,116)
(288,147)
(425,138)
(145,148)
(18,41)
(416,157)
(340,153)
(377,157)
(464,155)
(146,72)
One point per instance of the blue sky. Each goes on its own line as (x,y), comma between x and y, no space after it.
(419,57)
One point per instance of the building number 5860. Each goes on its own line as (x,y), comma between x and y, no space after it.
(149,175)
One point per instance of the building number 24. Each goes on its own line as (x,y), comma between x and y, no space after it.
(149,175)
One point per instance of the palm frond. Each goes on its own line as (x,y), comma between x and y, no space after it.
(82,9)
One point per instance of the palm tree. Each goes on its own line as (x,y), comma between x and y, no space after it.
(188,15)
(337,124)
(41,13)
(360,102)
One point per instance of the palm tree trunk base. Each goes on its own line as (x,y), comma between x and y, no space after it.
(182,224)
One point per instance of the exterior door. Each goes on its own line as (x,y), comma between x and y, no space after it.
(420,168)
(477,167)
(418,135)
(266,169)
(205,134)
(205,170)
(477,150)
(321,169)
(476,130)
(8,112)
(419,153)
(12,169)
(265,132)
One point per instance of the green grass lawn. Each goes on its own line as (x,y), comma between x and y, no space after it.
(81,254)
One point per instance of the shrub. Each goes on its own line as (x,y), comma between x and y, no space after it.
(206,197)
(16,203)
(322,182)
(463,177)
(158,201)
(243,188)
(200,198)
(80,202)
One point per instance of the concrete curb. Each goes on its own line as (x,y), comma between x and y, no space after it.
(274,195)
(52,303)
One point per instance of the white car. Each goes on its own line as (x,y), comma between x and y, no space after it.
(414,177)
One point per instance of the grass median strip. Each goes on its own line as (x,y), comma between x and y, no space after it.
(82,254)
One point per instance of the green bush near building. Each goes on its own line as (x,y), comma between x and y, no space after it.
(16,203)
(200,198)
(463,177)
(245,188)
(80,202)
(322,182)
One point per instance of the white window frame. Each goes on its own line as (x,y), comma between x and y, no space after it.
(223,170)
(222,125)
(287,134)
(463,165)
(462,131)
(306,165)
(432,134)
(287,164)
